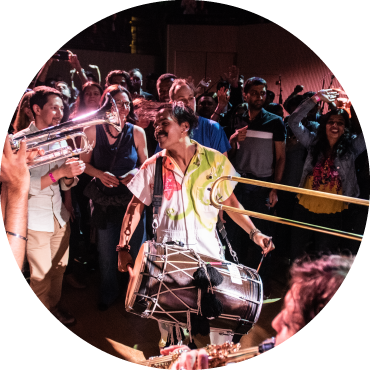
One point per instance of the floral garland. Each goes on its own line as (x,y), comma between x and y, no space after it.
(325,173)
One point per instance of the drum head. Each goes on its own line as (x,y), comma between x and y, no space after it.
(135,282)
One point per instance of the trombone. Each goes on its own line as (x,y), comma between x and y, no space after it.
(286,221)
(64,131)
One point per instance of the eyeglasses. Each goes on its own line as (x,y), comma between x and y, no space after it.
(121,103)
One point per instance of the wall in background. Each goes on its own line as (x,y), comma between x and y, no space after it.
(263,50)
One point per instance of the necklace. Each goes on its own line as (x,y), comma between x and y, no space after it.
(107,130)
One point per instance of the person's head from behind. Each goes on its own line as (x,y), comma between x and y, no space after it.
(47,106)
(206,105)
(64,89)
(275,108)
(90,76)
(164,84)
(255,92)
(312,286)
(174,124)
(270,96)
(118,77)
(123,101)
(136,79)
(182,90)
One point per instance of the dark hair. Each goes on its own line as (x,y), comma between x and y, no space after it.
(114,90)
(222,83)
(181,113)
(321,143)
(22,121)
(270,94)
(208,94)
(253,81)
(41,95)
(308,94)
(80,103)
(118,72)
(318,281)
(164,77)
(275,108)
(91,75)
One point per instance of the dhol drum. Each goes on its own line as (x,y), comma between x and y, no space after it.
(162,289)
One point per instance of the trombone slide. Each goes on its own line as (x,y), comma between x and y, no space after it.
(286,221)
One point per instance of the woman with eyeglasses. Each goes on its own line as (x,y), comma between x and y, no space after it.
(329,167)
(114,161)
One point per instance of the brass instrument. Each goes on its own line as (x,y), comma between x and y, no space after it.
(64,131)
(286,221)
(218,355)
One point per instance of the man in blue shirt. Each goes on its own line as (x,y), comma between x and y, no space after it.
(208,133)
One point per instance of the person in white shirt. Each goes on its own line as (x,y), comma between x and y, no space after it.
(48,227)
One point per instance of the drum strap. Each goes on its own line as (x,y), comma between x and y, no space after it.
(157,193)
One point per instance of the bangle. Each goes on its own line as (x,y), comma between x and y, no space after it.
(52,177)
(252,233)
(317,98)
(17,235)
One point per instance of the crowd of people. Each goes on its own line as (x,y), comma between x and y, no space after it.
(200,135)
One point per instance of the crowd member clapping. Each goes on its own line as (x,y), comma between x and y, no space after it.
(113,170)
(329,167)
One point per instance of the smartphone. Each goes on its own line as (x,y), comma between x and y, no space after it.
(61,55)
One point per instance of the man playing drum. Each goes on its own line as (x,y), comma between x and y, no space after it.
(188,170)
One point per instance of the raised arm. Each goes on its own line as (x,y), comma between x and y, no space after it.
(294,121)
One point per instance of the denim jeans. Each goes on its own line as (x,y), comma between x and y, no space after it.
(107,240)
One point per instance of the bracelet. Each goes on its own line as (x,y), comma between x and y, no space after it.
(17,235)
(123,248)
(317,98)
(52,177)
(252,233)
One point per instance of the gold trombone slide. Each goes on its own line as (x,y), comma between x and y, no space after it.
(286,221)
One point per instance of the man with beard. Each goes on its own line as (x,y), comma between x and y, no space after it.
(189,169)
(257,152)
(48,220)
